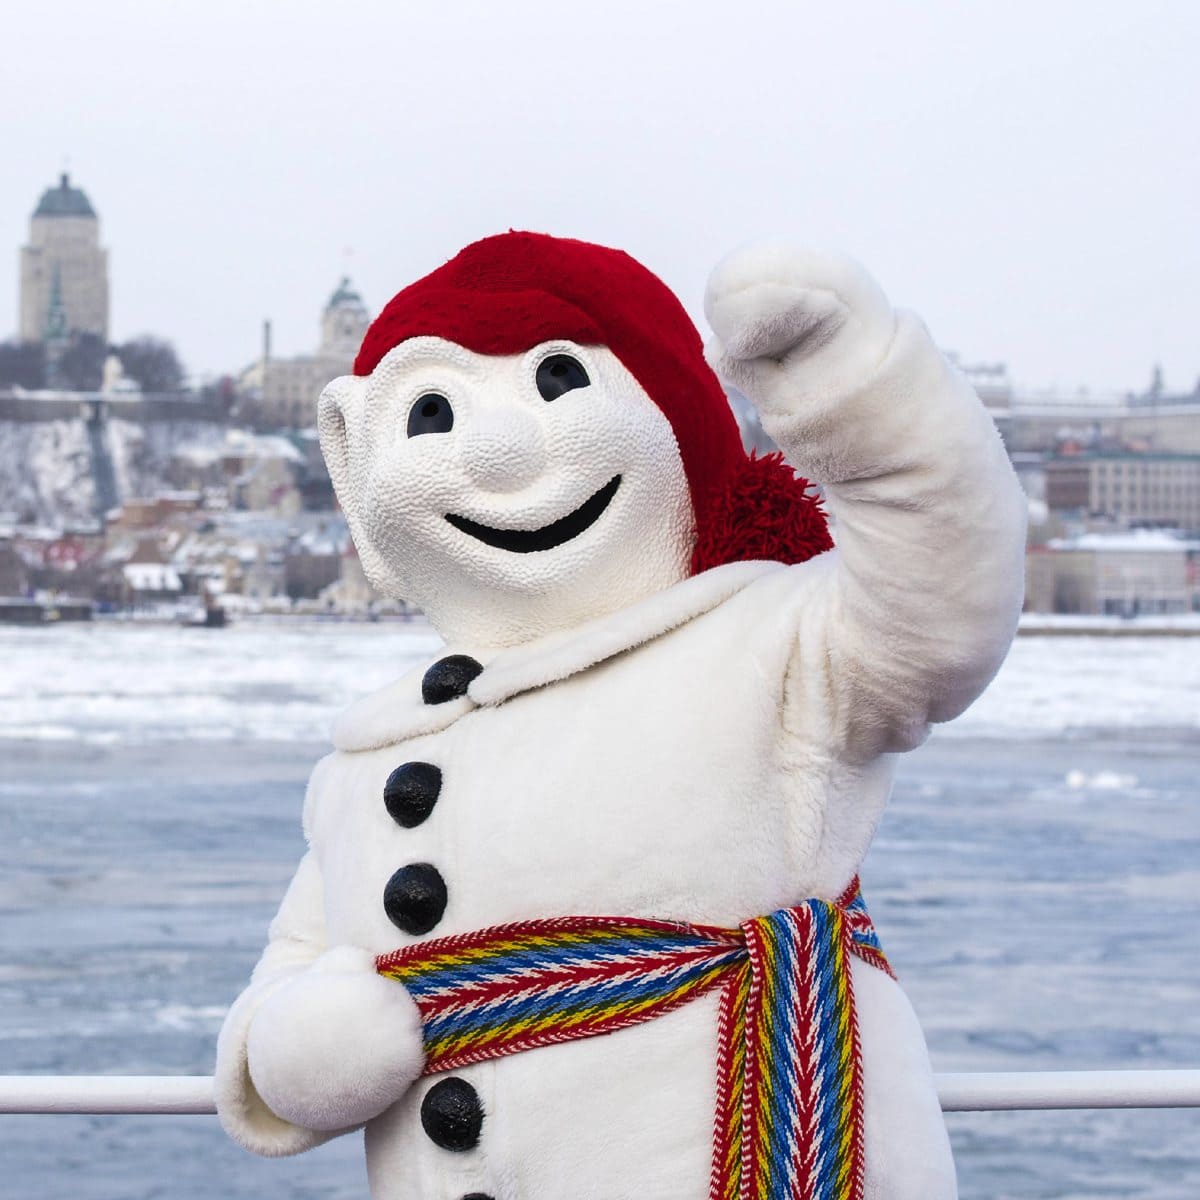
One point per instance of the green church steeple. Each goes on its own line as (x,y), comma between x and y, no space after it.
(56,335)
(56,314)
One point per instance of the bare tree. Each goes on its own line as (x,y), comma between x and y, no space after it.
(81,367)
(152,363)
(22,364)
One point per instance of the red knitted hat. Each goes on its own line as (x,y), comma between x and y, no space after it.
(507,293)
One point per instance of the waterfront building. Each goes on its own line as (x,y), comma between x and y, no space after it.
(351,592)
(1150,488)
(313,561)
(64,269)
(1135,573)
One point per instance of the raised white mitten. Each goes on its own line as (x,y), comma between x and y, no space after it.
(336,1045)
(925,583)
(791,322)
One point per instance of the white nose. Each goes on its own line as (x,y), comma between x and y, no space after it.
(504,450)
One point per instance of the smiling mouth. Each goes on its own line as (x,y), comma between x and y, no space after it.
(527,541)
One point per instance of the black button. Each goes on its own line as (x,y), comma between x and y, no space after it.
(477,1196)
(452,1115)
(448,678)
(415,898)
(411,792)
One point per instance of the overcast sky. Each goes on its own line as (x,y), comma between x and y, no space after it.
(1026,175)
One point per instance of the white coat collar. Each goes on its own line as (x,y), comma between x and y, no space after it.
(397,712)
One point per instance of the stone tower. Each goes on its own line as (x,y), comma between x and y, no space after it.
(343,323)
(64,254)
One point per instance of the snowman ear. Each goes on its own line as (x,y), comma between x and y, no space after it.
(340,414)
(340,406)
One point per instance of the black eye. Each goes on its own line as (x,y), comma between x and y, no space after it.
(430,414)
(558,374)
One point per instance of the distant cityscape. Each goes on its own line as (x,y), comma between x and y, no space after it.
(124,492)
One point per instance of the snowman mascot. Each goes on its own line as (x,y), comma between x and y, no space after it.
(579,914)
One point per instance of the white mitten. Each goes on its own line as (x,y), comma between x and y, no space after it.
(791,323)
(337,1044)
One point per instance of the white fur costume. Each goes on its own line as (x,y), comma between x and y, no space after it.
(639,743)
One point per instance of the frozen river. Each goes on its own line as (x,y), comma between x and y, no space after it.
(1036,882)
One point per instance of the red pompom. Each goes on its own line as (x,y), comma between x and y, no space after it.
(763,511)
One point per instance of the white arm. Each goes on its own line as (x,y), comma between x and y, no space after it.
(926,583)
(319,1042)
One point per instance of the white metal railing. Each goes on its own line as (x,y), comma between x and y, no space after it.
(966,1091)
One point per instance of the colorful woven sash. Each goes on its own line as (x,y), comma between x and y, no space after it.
(789,1073)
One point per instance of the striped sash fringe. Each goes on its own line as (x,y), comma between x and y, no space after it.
(789,1074)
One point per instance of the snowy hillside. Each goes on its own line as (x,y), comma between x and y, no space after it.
(46,475)
(46,472)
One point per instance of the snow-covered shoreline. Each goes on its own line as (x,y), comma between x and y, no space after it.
(285,678)
(1043,624)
